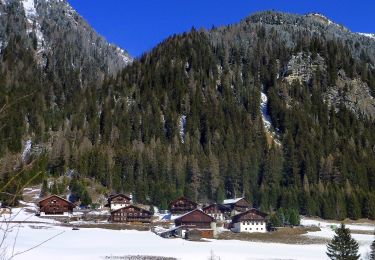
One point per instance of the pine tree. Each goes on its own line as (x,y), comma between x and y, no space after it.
(372,253)
(343,246)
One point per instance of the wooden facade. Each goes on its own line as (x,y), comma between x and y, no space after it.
(182,205)
(118,201)
(55,205)
(195,219)
(131,213)
(217,211)
(237,205)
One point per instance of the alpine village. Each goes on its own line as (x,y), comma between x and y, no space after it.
(254,140)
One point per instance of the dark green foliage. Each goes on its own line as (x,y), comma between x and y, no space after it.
(79,191)
(125,132)
(294,217)
(275,220)
(343,246)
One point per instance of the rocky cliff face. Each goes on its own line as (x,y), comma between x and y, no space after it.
(58,36)
(353,93)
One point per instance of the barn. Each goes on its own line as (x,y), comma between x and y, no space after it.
(250,221)
(55,205)
(195,219)
(131,213)
(182,205)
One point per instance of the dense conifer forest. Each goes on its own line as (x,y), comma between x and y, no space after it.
(185,119)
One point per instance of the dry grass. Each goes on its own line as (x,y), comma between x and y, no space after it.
(362,232)
(114,226)
(283,235)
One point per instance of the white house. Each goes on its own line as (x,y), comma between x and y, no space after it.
(251,221)
(119,201)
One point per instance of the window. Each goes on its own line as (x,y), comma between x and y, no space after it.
(245,228)
(257,228)
(261,229)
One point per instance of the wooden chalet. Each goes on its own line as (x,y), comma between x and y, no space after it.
(195,219)
(131,213)
(237,205)
(181,206)
(55,205)
(249,221)
(217,211)
(118,201)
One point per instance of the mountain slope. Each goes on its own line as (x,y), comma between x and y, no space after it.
(50,55)
(277,108)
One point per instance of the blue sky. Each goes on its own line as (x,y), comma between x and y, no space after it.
(139,25)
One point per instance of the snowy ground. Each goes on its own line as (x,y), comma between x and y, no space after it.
(96,243)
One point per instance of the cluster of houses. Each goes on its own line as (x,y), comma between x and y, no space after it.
(235,214)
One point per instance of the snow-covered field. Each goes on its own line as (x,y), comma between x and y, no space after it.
(97,243)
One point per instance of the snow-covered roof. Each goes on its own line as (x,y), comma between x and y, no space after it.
(232,201)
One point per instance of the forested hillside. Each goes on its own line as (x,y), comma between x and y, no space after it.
(186,119)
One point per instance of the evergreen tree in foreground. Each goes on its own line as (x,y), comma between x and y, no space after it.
(372,254)
(343,246)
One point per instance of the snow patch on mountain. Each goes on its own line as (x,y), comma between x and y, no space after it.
(369,35)
(26,151)
(123,55)
(30,10)
(33,25)
(266,118)
(263,108)
(182,125)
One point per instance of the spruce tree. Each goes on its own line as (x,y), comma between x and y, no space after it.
(372,253)
(343,246)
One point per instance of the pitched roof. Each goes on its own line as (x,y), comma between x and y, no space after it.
(56,197)
(190,212)
(232,201)
(132,206)
(251,214)
(220,206)
(119,195)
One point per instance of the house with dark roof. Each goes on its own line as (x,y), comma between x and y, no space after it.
(217,211)
(250,221)
(118,201)
(237,205)
(55,205)
(195,219)
(182,205)
(131,213)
